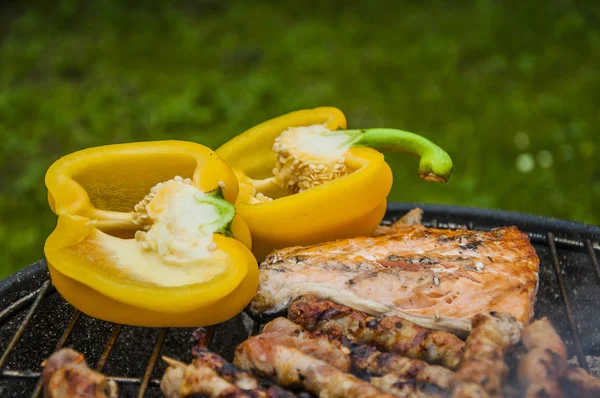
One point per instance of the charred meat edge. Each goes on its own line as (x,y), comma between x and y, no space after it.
(387,333)
(66,374)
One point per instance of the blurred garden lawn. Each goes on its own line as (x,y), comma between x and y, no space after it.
(511,92)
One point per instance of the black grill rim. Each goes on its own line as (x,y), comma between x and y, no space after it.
(530,223)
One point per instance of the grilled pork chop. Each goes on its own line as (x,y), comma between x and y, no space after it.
(436,278)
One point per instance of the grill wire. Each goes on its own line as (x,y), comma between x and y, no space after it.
(146,381)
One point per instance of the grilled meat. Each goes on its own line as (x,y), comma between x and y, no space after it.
(240,378)
(285,332)
(291,367)
(483,363)
(181,380)
(541,334)
(578,383)
(413,217)
(66,374)
(402,387)
(469,390)
(387,333)
(403,377)
(376,363)
(433,277)
(544,365)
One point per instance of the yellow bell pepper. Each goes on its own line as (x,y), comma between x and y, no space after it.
(305,179)
(147,235)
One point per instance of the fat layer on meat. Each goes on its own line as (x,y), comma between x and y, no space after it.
(434,277)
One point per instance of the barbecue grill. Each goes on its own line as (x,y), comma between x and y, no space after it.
(35,321)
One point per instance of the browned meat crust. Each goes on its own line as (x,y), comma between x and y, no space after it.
(541,334)
(291,367)
(469,390)
(482,368)
(388,333)
(376,363)
(66,374)
(402,376)
(285,332)
(544,365)
(181,380)
(406,388)
(240,378)
(436,278)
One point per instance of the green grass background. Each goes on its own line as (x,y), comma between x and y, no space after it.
(489,81)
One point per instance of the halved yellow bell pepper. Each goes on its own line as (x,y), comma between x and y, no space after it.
(136,245)
(305,179)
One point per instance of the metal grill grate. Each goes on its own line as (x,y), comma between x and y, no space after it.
(569,273)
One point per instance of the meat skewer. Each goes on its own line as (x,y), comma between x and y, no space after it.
(291,367)
(545,364)
(182,381)
(66,374)
(387,333)
(368,359)
(224,369)
(402,376)
(578,383)
(212,376)
(282,331)
(483,370)
(240,378)
(406,388)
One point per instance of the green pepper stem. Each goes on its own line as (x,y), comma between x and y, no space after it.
(434,164)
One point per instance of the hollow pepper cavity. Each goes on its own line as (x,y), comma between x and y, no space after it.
(148,235)
(304,178)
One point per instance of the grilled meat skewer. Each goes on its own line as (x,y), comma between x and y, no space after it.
(406,388)
(402,376)
(224,369)
(545,364)
(182,381)
(282,331)
(212,376)
(578,383)
(483,370)
(66,374)
(240,378)
(291,367)
(368,359)
(387,333)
